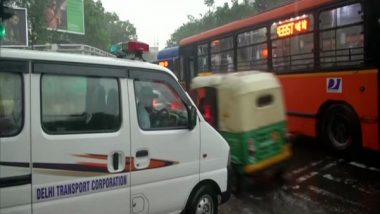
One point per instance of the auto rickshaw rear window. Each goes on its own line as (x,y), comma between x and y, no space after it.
(264,101)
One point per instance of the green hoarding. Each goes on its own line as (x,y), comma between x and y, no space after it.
(66,16)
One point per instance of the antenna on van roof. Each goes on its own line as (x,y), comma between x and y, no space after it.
(131,50)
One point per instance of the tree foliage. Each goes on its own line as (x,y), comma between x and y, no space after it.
(263,5)
(209,3)
(220,16)
(102,29)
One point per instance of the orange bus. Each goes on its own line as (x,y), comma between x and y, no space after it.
(326,55)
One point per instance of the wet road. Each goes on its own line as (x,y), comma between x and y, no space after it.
(316,181)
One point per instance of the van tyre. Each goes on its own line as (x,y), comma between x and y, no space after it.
(340,128)
(204,201)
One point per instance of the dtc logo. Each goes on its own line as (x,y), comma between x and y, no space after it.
(334,85)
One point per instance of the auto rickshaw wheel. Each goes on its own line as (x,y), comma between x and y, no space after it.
(340,128)
(280,176)
(237,181)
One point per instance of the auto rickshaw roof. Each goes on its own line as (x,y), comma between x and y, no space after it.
(209,80)
(238,82)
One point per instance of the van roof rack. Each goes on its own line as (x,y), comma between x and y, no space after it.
(72,48)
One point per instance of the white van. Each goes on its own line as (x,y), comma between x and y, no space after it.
(71,140)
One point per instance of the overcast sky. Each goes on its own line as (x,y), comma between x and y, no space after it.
(156,20)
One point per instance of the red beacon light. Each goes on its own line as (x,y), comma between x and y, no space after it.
(136,47)
(130,49)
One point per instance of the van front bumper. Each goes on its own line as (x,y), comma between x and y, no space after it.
(278,159)
(225,196)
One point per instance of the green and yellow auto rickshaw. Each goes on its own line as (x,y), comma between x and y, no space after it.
(247,109)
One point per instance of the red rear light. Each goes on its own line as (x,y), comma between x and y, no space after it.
(208,114)
(154,103)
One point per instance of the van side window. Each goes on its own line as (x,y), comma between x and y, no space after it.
(11,109)
(159,106)
(74,104)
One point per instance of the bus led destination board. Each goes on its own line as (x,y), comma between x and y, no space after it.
(293,27)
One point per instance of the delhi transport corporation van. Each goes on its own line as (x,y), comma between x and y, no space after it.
(248,110)
(74,138)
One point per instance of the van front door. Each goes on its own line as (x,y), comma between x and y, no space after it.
(165,151)
(80,139)
(15,169)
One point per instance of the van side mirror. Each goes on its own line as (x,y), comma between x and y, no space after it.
(192,117)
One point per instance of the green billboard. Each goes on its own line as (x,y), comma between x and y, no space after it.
(65,16)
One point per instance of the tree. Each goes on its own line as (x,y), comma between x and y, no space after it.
(234,2)
(102,29)
(36,21)
(222,15)
(263,5)
(120,30)
(209,3)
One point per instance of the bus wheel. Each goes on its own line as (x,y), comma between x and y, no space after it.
(340,128)
(204,201)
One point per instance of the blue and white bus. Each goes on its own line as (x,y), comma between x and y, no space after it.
(169,58)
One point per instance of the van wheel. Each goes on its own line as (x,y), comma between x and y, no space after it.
(340,128)
(204,201)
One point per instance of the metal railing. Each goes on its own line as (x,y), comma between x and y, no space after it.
(72,48)
(343,56)
(253,64)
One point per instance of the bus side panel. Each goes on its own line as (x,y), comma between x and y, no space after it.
(306,93)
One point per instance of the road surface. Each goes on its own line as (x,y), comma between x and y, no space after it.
(316,181)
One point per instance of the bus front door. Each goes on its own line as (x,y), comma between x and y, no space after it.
(189,71)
